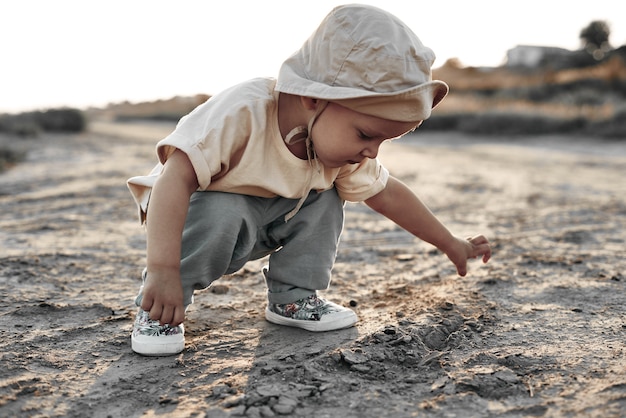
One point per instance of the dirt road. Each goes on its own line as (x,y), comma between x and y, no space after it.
(539,331)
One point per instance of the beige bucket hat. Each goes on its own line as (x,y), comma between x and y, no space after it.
(368,60)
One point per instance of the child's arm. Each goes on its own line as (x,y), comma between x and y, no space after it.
(398,203)
(167,211)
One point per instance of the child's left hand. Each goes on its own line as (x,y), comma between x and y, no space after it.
(463,249)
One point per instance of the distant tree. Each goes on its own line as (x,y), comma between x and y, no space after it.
(595,38)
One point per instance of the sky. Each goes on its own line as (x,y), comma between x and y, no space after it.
(82,53)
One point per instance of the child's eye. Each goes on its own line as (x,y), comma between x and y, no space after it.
(363,135)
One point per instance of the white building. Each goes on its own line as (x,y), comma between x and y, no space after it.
(531,56)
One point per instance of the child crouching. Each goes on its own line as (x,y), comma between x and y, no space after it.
(264,167)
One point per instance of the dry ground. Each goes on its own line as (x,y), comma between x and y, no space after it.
(539,331)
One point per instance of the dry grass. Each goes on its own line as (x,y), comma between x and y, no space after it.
(470,103)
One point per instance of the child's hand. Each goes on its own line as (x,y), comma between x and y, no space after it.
(163,297)
(463,249)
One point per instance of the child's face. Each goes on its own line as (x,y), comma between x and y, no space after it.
(342,136)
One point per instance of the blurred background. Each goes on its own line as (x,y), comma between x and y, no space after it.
(537,68)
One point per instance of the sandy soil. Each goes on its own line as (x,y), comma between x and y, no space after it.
(539,331)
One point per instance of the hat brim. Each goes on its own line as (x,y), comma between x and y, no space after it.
(413,105)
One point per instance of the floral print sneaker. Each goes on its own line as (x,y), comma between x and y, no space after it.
(150,338)
(312,314)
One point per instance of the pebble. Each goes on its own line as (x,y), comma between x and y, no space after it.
(269,390)
(253,412)
(219,289)
(234,401)
(352,357)
(285,405)
(239,410)
(389,330)
(507,376)
(165,400)
(404,257)
(361,368)
(217,413)
(266,411)
(447,306)
(221,389)
(439,383)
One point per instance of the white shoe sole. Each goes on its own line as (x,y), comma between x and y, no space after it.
(163,345)
(338,320)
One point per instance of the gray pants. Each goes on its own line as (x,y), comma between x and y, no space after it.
(224,230)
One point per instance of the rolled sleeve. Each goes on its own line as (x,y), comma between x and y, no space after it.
(197,157)
(140,188)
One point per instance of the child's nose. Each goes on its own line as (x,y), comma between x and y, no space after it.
(370,152)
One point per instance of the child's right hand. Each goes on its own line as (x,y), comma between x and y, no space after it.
(462,250)
(163,297)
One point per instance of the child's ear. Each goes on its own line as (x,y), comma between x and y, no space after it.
(309,103)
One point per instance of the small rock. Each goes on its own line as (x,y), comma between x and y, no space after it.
(404,257)
(266,370)
(336,357)
(439,383)
(237,411)
(285,405)
(217,413)
(234,401)
(361,368)
(220,389)
(352,357)
(381,337)
(269,390)
(435,339)
(471,323)
(219,289)
(390,330)
(507,376)
(253,412)
(402,289)
(326,386)
(165,400)
(447,306)
(266,411)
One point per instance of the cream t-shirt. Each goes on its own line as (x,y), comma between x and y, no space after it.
(235,146)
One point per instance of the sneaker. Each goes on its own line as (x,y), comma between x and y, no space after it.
(150,338)
(312,314)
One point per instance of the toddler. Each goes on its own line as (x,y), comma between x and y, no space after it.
(264,168)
